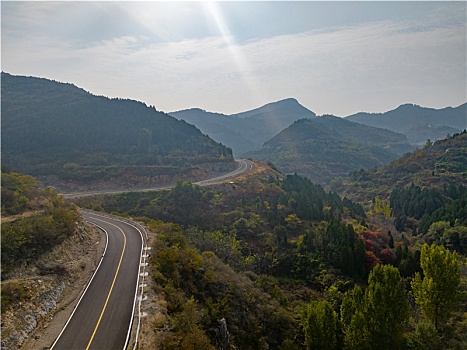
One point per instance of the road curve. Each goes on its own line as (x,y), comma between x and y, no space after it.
(103,316)
(243,166)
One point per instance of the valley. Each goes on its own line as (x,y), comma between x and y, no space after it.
(326,226)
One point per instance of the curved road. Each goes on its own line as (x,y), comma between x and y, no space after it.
(103,316)
(243,166)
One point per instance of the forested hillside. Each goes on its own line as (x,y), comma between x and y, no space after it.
(288,265)
(33,220)
(328,147)
(437,165)
(424,193)
(248,130)
(51,128)
(418,123)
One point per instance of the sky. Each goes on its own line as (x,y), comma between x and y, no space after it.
(335,58)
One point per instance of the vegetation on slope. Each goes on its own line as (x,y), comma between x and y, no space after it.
(437,165)
(328,147)
(48,253)
(51,128)
(43,220)
(301,257)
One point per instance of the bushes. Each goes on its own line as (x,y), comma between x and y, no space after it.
(201,290)
(49,223)
(26,239)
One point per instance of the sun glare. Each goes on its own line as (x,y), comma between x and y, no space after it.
(213,11)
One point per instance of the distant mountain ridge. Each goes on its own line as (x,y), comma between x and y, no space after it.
(418,123)
(51,128)
(327,147)
(248,130)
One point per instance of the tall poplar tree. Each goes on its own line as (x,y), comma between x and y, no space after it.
(320,326)
(377,319)
(436,293)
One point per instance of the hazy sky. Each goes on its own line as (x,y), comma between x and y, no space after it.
(333,57)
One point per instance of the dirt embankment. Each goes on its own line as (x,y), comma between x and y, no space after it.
(137,178)
(46,292)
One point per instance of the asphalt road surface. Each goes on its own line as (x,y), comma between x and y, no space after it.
(104,314)
(243,166)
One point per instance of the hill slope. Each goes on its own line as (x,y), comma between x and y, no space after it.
(436,166)
(328,146)
(418,123)
(246,131)
(55,128)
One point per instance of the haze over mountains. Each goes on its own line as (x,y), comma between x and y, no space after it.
(325,147)
(56,128)
(418,123)
(248,130)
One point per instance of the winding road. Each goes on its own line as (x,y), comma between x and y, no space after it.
(103,316)
(243,166)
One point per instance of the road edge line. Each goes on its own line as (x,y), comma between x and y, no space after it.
(143,241)
(85,290)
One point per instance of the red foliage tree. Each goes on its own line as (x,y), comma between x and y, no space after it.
(388,256)
(371,260)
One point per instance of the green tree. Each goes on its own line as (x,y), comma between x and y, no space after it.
(436,293)
(356,336)
(436,231)
(425,337)
(376,319)
(352,301)
(320,326)
(386,308)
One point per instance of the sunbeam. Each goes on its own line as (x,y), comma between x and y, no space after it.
(257,95)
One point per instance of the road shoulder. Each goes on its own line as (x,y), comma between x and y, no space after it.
(87,253)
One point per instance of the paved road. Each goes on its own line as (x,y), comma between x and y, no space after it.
(243,166)
(103,316)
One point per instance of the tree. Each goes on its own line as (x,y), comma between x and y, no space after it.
(352,301)
(436,231)
(386,308)
(391,240)
(377,318)
(320,326)
(436,293)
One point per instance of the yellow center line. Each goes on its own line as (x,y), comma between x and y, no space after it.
(113,282)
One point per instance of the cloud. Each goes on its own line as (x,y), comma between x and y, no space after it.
(372,66)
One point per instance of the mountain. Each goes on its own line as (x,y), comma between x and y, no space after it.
(51,128)
(248,130)
(418,123)
(437,165)
(327,147)
(284,112)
